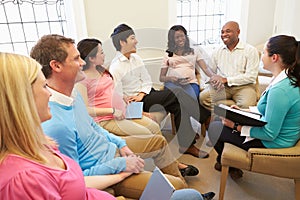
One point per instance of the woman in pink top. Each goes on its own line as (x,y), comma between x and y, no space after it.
(30,165)
(182,63)
(103,103)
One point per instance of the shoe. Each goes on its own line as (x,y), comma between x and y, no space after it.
(218,166)
(194,151)
(208,196)
(234,173)
(190,170)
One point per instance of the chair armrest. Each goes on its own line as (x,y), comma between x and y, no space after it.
(291,151)
(284,162)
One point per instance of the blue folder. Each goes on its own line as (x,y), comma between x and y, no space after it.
(134,110)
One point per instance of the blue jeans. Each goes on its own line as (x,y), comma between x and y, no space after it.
(191,89)
(186,194)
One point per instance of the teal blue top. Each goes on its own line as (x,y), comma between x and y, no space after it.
(280,108)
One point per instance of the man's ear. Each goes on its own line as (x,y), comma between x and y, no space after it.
(55,65)
(122,43)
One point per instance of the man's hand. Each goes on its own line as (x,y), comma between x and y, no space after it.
(217,82)
(134,164)
(136,98)
(125,151)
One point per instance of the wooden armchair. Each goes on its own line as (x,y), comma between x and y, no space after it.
(283,163)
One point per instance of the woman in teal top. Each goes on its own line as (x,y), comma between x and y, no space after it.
(279,105)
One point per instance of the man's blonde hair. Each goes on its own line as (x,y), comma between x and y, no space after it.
(20,129)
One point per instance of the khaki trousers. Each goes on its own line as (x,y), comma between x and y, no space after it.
(143,126)
(243,96)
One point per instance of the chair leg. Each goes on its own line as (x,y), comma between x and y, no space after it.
(297,189)
(173,123)
(203,129)
(224,174)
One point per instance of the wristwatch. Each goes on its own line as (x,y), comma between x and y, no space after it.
(235,126)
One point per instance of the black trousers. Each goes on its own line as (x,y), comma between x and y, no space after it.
(179,103)
(219,134)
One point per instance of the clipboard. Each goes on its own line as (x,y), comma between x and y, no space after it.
(134,110)
(158,187)
(239,116)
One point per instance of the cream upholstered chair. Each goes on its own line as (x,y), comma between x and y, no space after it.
(283,163)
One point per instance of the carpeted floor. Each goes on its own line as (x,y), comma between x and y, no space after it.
(251,186)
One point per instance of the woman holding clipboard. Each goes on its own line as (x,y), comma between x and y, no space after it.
(279,105)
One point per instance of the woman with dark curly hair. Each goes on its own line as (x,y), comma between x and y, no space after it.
(181,63)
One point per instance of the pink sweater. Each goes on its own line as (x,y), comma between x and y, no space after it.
(22,178)
(101,94)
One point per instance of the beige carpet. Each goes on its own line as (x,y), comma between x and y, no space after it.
(252,186)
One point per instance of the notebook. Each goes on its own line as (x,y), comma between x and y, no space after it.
(242,117)
(134,110)
(158,187)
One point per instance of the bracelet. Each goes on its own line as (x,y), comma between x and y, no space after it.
(113,112)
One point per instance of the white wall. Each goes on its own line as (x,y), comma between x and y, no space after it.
(287,17)
(103,16)
(77,13)
(272,17)
(259,19)
(256,19)
(235,13)
(149,19)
